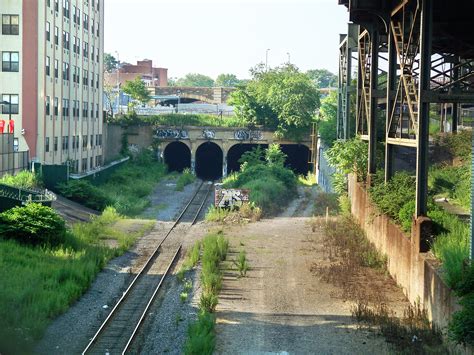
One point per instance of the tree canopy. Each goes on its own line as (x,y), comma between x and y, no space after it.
(282,98)
(137,90)
(110,62)
(328,116)
(195,79)
(322,78)
(227,80)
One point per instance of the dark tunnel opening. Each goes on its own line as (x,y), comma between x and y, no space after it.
(235,153)
(177,156)
(209,158)
(298,157)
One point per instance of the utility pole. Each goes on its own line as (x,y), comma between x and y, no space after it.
(266,59)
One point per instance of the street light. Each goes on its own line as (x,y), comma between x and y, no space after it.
(288,54)
(266,59)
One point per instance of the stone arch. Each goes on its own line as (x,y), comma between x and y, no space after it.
(298,157)
(177,156)
(209,161)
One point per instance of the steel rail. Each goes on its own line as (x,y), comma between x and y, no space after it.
(140,272)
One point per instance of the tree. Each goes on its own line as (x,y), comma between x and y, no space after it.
(227,80)
(328,116)
(137,90)
(283,99)
(110,63)
(322,78)
(195,79)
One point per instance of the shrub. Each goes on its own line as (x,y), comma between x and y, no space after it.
(33,224)
(349,157)
(462,324)
(208,302)
(184,179)
(24,179)
(242,263)
(84,192)
(201,337)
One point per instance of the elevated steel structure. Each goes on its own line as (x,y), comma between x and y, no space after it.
(428,48)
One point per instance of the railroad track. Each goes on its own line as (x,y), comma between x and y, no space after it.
(118,331)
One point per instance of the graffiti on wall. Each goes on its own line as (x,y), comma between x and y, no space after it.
(248,135)
(227,198)
(208,134)
(172,133)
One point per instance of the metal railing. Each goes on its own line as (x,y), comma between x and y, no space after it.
(26,195)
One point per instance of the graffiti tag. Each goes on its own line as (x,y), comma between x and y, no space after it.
(172,134)
(227,198)
(247,135)
(208,134)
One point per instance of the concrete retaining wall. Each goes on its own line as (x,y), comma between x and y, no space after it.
(417,273)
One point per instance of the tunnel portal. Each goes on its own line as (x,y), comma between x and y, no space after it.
(177,156)
(209,158)
(298,157)
(236,152)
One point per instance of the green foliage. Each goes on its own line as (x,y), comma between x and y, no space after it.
(39,283)
(121,190)
(179,120)
(392,197)
(184,179)
(217,214)
(460,145)
(82,191)
(33,224)
(328,119)
(283,99)
(227,80)
(325,201)
(274,156)
(137,90)
(242,263)
(110,63)
(24,179)
(348,157)
(453,182)
(201,336)
(461,326)
(208,302)
(322,78)
(195,79)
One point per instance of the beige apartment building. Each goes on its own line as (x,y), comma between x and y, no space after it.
(52,79)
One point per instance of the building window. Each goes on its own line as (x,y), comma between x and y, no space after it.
(92,140)
(97,30)
(56,5)
(92,111)
(77,142)
(85,77)
(55,144)
(65,108)
(92,26)
(10,61)
(84,164)
(66,71)
(97,111)
(47,105)
(85,22)
(92,162)
(84,141)
(85,109)
(97,55)
(56,68)
(48,66)
(97,81)
(10,24)
(66,8)
(92,52)
(92,79)
(48,2)
(65,143)
(56,106)
(66,40)
(11,107)
(56,35)
(85,49)
(48,31)
(46,144)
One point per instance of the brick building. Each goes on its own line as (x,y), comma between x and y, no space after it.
(144,68)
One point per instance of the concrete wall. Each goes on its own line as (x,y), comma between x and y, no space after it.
(417,273)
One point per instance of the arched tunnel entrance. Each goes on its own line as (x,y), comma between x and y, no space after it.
(298,157)
(177,156)
(236,152)
(209,158)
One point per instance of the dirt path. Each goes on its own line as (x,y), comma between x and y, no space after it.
(281,307)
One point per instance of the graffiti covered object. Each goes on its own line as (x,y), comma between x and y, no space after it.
(225,198)
(172,134)
(247,135)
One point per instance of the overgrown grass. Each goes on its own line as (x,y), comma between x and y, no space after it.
(308,180)
(248,212)
(326,202)
(453,182)
(40,283)
(191,260)
(126,190)
(242,263)
(184,179)
(24,179)
(179,120)
(201,335)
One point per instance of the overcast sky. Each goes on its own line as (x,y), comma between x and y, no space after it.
(225,36)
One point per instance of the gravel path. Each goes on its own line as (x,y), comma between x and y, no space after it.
(281,307)
(70,332)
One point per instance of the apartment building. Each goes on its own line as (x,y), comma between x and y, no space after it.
(52,79)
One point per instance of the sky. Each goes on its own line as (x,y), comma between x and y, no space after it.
(211,37)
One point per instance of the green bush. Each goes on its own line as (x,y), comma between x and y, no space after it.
(84,192)
(24,179)
(33,224)
(461,326)
(201,337)
(184,179)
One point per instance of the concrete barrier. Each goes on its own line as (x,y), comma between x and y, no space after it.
(416,272)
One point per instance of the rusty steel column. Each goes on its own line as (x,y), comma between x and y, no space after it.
(374,80)
(426,29)
(391,87)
